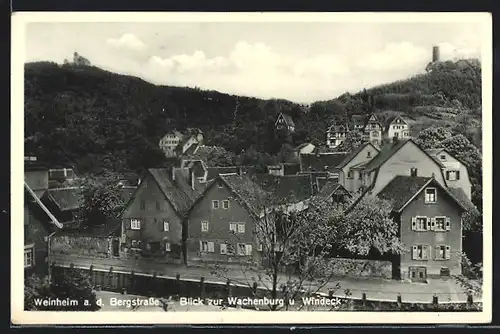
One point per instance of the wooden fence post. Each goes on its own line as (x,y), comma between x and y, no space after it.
(399,300)
(330,293)
(178,284)
(202,287)
(363,299)
(91,274)
(152,287)
(470,299)
(435,300)
(71,265)
(254,288)
(110,279)
(228,288)
(131,286)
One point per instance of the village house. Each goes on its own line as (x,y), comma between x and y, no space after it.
(333,192)
(358,122)
(429,216)
(285,122)
(403,157)
(176,143)
(283,169)
(372,130)
(223,220)
(351,166)
(291,191)
(399,127)
(455,172)
(64,203)
(61,177)
(336,134)
(39,225)
(322,162)
(152,220)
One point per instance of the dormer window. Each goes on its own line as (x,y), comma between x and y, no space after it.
(430,195)
(442,157)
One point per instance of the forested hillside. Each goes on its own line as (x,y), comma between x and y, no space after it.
(93,119)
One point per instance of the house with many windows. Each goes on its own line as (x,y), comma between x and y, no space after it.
(350,168)
(222,222)
(399,127)
(429,217)
(336,134)
(176,143)
(153,219)
(372,131)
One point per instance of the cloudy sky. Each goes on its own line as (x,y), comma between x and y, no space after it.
(302,62)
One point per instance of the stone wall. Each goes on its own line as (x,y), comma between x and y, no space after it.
(362,268)
(81,246)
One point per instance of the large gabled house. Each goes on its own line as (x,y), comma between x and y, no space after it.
(398,126)
(358,122)
(403,157)
(429,217)
(372,131)
(153,219)
(336,134)
(176,143)
(222,222)
(39,225)
(333,193)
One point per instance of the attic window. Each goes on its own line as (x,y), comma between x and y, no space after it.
(442,157)
(430,195)
(413,171)
(368,154)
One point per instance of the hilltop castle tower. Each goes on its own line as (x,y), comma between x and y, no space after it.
(435,54)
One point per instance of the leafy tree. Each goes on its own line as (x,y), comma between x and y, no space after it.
(369,225)
(287,154)
(471,279)
(433,137)
(353,139)
(73,286)
(101,200)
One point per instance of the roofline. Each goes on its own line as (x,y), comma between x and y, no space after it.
(345,162)
(44,208)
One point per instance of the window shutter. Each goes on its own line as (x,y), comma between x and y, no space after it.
(201,246)
(425,252)
(457,173)
(447,174)
(427,224)
(413,223)
(448,224)
(447,253)
(436,252)
(433,223)
(127,224)
(414,253)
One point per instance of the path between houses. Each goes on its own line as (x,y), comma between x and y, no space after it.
(378,289)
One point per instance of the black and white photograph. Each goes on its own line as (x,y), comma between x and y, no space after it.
(208,164)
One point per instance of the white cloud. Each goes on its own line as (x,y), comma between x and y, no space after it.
(127,41)
(450,51)
(396,56)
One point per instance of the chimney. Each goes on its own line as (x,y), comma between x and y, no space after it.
(435,53)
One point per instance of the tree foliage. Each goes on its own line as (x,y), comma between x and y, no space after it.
(74,286)
(352,140)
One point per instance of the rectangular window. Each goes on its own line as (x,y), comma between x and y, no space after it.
(204,226)
(442,157)
(420,252)
(223,249)
(420,224)
(413,171)
(242,249)
(452,175)
(233,227)
(248,249)
(442,252)
(259,247)
(204,246)
(166,226)
(143,205)
(29,259)
(430,195)
(167,247)
(349,174)
(441,223)
(241,227)
(135,224)
(225,204)
(368,154)
(215,204)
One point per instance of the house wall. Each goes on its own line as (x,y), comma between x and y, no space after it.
(409,156)
(403,130)
(453,164)
(152,224)
(76,245)
(37,180)
(168,144)
(444,206)
(191,141)
(307,149)
(35,233)
(353,184)
(218,230)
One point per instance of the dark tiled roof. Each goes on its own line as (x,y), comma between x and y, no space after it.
(291,188)
(213,172)
(353,154)
(434,151)
(462,198)
(248,192)
(328,189)
(109,229)
(178,192)
(288,119)
(402,188)
(315,162)
(66,198)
